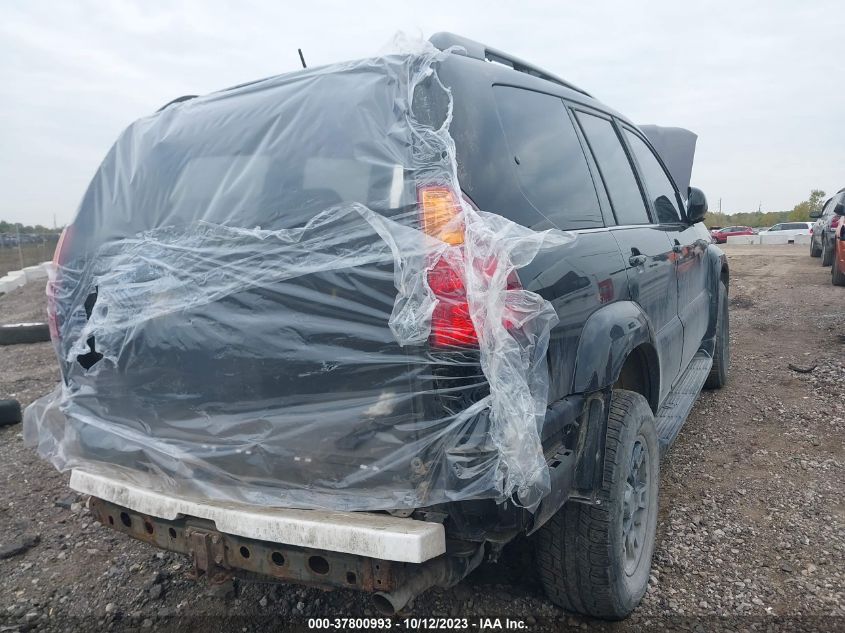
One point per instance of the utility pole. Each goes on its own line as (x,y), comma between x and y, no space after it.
(720,206)
(20,252)
(760,207)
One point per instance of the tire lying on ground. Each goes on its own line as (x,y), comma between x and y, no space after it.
(18,333)
(10,412)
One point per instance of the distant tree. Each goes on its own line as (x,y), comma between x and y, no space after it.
(817,197)
(801,211)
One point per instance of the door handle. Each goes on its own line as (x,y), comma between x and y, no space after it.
(637,260)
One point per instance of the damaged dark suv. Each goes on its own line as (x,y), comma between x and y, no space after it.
(363,325)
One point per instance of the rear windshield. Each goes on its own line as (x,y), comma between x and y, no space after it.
(272,154)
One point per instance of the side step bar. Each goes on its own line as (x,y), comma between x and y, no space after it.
(672,415)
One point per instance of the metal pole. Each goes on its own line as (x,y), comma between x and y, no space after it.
(20,251)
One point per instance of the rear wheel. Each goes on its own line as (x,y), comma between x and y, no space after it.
(815,251)
(718,376)
(596,559)
(827,253)
(837,275)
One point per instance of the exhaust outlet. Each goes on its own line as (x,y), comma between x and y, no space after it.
(445,571)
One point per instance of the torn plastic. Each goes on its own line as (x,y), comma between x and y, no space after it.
(277,295)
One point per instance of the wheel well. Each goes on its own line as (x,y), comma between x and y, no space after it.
(641,373)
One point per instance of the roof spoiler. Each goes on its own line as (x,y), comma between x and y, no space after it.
(477,50)
(676,146)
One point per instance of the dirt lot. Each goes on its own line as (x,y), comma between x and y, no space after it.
(752,530)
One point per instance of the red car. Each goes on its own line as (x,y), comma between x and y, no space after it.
(720,236)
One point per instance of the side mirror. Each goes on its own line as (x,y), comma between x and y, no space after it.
(696,205)
(815,215)
(839,209)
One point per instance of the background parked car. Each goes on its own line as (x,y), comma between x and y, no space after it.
(837,270)
(824,230)
(792,228)
(721,236)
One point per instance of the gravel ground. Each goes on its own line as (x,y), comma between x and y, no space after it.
(751,536)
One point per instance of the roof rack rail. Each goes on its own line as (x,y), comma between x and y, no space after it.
(477,50)
(176,100)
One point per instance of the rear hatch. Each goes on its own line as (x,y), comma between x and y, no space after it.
(223,300)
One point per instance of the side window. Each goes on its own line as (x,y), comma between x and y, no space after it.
(619,180)
(660,188)
(548,158)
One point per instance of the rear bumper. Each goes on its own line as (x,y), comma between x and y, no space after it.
(377,536)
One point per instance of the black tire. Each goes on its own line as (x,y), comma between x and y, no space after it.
(10,412)
(19,333)
(581,552)
(827,253)
(837,277)
(718,376)
(815,251)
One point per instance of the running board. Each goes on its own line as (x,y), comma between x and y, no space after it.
(675,409)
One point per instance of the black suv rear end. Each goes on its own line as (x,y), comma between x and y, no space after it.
(443,288)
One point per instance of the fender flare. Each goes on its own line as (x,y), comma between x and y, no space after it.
(609,336)
(717,262)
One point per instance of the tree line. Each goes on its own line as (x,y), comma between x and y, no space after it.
(799,213)
(13,227)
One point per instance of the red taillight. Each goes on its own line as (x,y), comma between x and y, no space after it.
(834,221)
(451,324)
(60,257)
(62,246)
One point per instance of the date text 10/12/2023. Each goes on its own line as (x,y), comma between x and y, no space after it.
(416,624)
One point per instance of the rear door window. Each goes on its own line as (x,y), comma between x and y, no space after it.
(548,158)
(660,188)
(615,168)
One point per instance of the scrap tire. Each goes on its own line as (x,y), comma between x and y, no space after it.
(582,551)
(20,333)
(720,370)
(10,412)
(827,254)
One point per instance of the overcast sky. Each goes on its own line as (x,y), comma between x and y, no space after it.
(761,83)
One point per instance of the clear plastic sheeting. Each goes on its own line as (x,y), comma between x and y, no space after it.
(277,295)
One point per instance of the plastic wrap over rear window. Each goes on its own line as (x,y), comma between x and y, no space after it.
(277,295)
